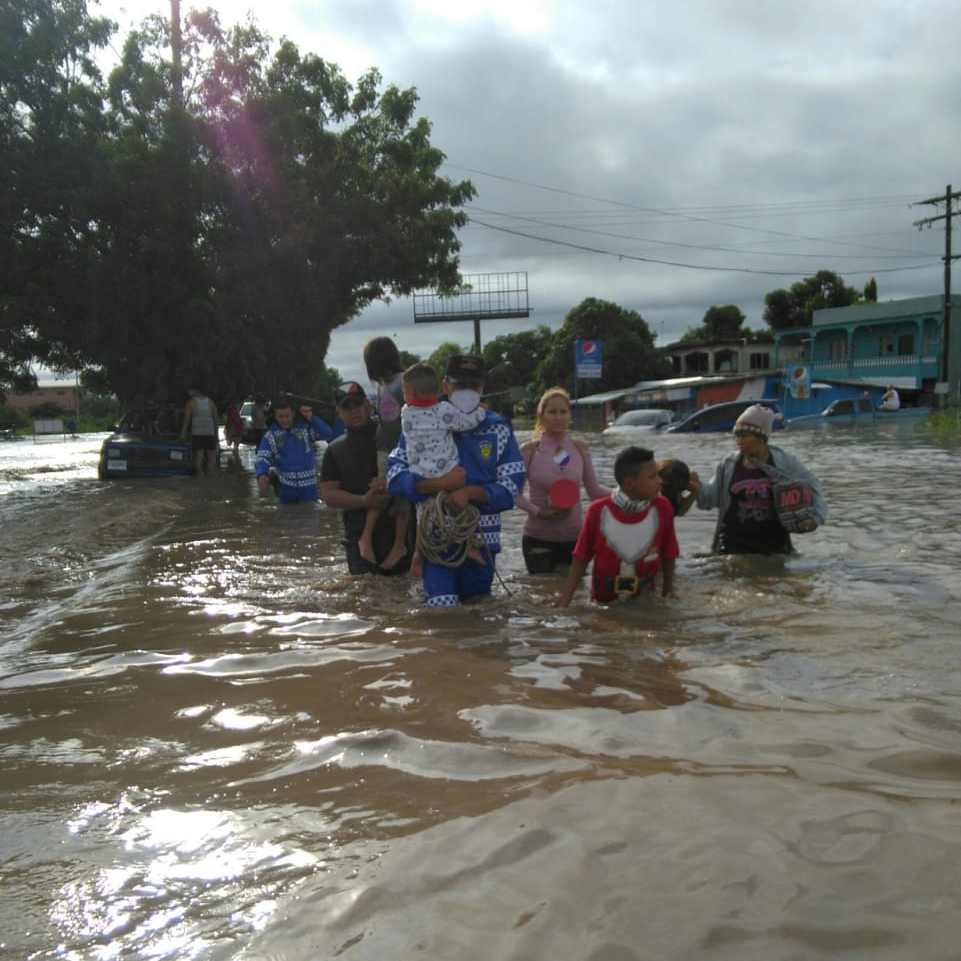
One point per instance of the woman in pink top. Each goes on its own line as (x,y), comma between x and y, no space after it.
(551,532)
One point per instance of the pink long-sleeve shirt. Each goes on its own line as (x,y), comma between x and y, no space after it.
(551,460)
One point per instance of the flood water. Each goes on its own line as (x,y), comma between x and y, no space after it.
(215,745)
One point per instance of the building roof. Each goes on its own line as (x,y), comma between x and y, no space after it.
(593,400)
(695,381)
(889,310)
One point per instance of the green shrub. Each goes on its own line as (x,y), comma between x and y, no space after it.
(11,417)
(48,410)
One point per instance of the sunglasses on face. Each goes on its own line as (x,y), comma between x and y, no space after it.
(352,403)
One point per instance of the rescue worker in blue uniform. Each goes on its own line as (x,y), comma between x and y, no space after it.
(287,450)
(305,416)
(490,475)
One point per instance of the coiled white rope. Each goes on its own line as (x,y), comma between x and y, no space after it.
(444,536)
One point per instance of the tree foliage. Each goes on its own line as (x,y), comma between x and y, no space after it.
(217,241)
(724,323)
(719,323)
(443,353)
(629,351)
(50,122)
(784,309)
(514,358)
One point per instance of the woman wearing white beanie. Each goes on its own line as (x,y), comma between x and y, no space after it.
(742,490)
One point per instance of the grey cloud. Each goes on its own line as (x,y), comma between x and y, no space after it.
(710,104)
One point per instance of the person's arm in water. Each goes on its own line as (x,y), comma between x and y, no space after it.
(523,500)
(266,459)
(575,575)
(582,555)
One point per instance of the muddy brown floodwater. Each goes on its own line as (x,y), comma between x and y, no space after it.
(214,745)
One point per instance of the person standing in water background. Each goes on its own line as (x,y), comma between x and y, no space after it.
(200,420)
(553,455)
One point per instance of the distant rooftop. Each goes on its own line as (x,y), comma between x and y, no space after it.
(889,310)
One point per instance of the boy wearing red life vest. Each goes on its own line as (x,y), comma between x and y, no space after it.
(629,535)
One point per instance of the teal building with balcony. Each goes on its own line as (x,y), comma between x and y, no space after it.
(899,342)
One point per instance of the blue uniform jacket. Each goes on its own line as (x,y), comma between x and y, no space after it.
(490,456)
(291,453)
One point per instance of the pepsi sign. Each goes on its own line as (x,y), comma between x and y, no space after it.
(588,358)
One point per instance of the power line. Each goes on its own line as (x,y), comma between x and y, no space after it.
(675,263)
(758,209)
(678,243)
(658,210)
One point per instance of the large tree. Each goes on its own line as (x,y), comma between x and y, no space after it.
(51,125)
(220,238)
(795,306)
(629,354)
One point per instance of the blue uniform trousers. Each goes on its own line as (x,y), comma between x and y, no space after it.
(293,495)
(448,586)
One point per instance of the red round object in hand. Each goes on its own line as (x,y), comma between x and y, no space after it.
(563,494)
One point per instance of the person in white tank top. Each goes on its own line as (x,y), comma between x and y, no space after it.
(200,419)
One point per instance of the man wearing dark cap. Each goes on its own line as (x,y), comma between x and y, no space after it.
(490,476)
(287,450)
(349,482)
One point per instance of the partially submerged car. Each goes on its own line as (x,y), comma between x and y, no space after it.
(849,411)
(721,417)
(640,421)
(146,443)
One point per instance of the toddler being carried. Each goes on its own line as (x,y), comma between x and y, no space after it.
(429,425)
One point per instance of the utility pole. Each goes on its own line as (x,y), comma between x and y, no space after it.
(950,351)
(176,48)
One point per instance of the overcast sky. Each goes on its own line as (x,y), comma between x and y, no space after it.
(769,138)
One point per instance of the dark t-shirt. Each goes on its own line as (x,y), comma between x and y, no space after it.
(750,525)
(351,460)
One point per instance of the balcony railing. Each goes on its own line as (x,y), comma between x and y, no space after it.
(862,364)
